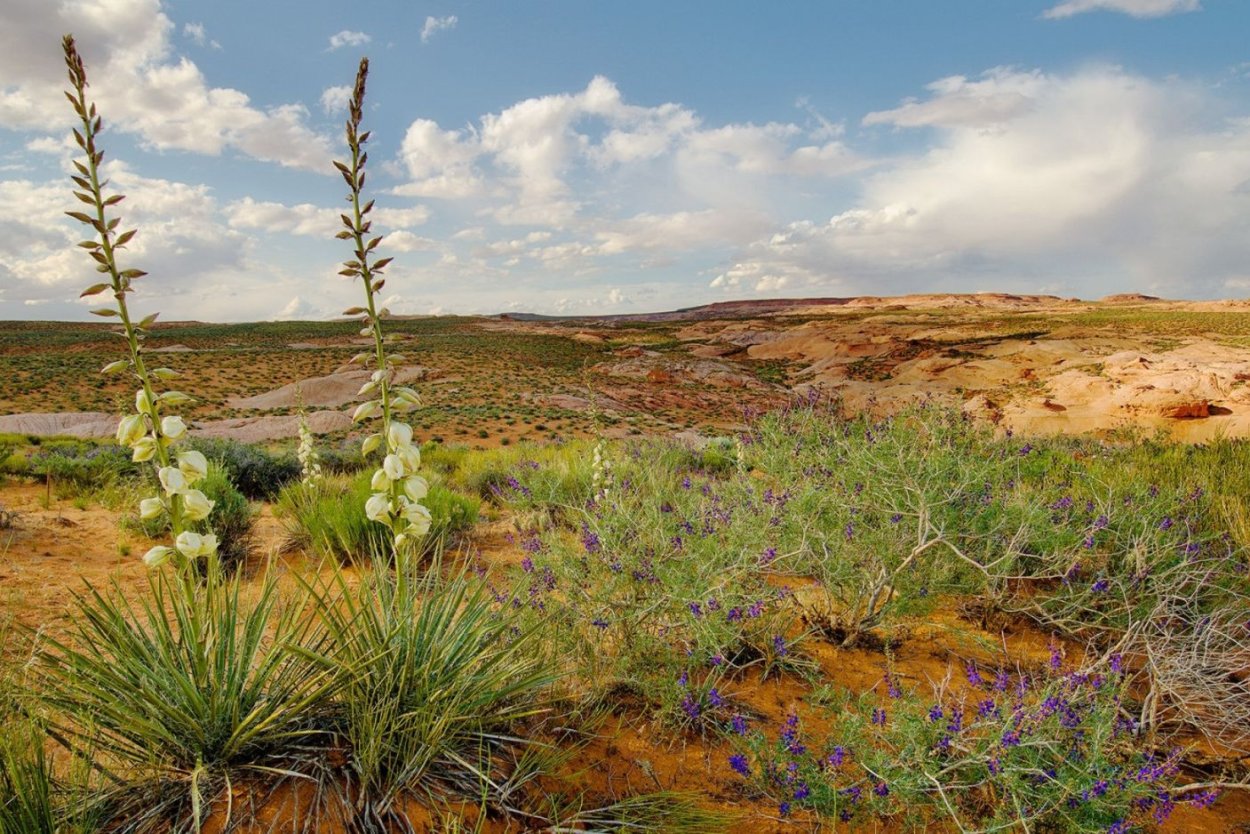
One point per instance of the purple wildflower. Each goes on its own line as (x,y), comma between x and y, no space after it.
(973,674)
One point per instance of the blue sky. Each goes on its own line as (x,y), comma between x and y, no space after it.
(573,157)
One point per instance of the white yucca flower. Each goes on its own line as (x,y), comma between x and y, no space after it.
(310,463)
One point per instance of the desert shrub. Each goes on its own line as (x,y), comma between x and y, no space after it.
(258,474)
(660,586)
(14,463)
(231,519)
(1045,751)
(185,691)
(436,677)
(343,459)
(528,477)
(81,468)
(330,519)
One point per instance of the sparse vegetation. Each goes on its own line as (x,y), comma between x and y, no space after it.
(812,617)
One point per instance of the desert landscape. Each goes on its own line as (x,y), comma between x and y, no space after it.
(623,466)
(1115,393)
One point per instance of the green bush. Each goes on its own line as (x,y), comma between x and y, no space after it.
(259,475)
(342,460)
(330,519)
(231,519)
(82,468)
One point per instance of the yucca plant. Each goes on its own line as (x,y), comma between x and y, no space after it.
(32,799)
(435,679)
(182,695)
(149,434)
(397,488)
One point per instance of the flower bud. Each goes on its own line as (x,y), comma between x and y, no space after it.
(371,442)
(393,466)
(172,480)
(411,457)
(189,544)
(418,519)
(195,505)
(150,508)
(131,429)
(378,507)
(380,482)
(173,427)
(142,404)
(416,487)
(145,449)
(157,556)
(399,435)
(193,465)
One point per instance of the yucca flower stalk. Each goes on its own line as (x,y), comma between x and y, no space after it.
(397,488)
(147,432)
(309,460)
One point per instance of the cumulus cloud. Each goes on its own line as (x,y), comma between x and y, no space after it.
(143,86)
(1098,178)
(1134,8)
(309,220)
(434,25)
(205,261)
(335,99)
(198,35)
(348,38)
(533,158)
(998,96)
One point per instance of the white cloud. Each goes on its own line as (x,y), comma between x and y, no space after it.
(308,220)
(140,84)
(684,230)
(541,159)
(998,96)
(1135,8)
(348,38)
(303,219)
(434,25)
(198,35)
(335,99)
(1093,181)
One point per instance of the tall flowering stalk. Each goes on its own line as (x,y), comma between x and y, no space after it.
(146,432)
(309,460)
(397,488)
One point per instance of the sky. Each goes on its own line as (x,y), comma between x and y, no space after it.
(565,157)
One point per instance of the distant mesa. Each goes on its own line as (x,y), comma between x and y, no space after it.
(1129,298)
